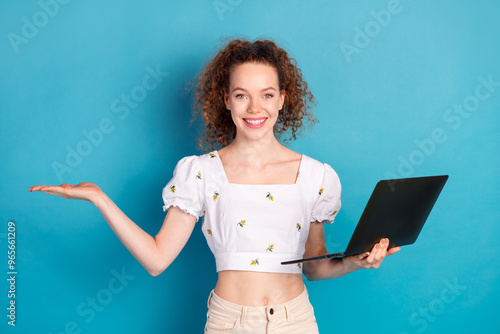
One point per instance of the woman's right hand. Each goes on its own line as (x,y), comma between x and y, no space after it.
(86,191)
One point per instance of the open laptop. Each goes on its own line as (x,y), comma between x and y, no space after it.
(397,209)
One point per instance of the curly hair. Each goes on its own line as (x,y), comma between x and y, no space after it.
(214,81)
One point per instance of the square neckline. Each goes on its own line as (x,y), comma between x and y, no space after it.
(261,185)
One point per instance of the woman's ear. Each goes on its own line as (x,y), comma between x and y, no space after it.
(282,99)
(226,100)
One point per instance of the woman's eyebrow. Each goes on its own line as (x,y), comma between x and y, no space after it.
(267,88)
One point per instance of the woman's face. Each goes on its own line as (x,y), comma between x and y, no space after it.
(254,99)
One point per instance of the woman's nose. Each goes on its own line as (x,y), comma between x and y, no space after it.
(254,105)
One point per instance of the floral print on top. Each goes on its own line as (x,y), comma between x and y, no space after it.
(254,227)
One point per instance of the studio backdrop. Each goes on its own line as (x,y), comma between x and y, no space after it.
(100,92)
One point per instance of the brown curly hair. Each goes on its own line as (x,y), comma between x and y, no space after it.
(214,81)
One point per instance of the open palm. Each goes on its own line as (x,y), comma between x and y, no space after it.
(86,191)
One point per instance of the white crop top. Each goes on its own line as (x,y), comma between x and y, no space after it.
(254,227)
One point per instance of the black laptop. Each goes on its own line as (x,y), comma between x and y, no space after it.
(397,209)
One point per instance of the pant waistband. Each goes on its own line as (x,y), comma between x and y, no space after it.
(248,312)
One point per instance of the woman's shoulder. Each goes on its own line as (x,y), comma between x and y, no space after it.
(317,168)
(206,157)
(198,157)
(202,161)
(193,161)
(315,163)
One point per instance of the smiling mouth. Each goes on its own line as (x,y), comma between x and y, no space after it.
(254,121)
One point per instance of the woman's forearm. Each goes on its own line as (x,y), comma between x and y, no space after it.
(142,245)
(326,269)
(333,268)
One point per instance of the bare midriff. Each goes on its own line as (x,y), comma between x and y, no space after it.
(258,288)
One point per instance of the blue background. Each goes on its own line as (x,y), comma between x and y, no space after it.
(374,105)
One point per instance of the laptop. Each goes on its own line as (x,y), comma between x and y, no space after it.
(397,209)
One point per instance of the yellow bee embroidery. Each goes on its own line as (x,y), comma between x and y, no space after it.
(299,227)
(300,266)
(209,231)
(270,248)
(241,223)
(333,213)
(216,195)
(254,262)
(320,191)
(211,155)
(199,175)
(203,211)
(172,189)
(270,196)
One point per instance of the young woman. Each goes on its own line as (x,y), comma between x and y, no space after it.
(262,202)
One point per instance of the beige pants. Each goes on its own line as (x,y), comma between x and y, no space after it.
(293,316)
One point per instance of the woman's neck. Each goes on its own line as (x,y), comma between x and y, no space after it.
(255,153)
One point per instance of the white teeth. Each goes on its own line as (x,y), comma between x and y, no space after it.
(255,122)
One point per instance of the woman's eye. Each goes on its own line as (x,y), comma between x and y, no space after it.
(240,96)
(268,96)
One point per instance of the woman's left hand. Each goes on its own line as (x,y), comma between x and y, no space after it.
(371,259)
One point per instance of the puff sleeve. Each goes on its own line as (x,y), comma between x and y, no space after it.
(327,204)
(185,189)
